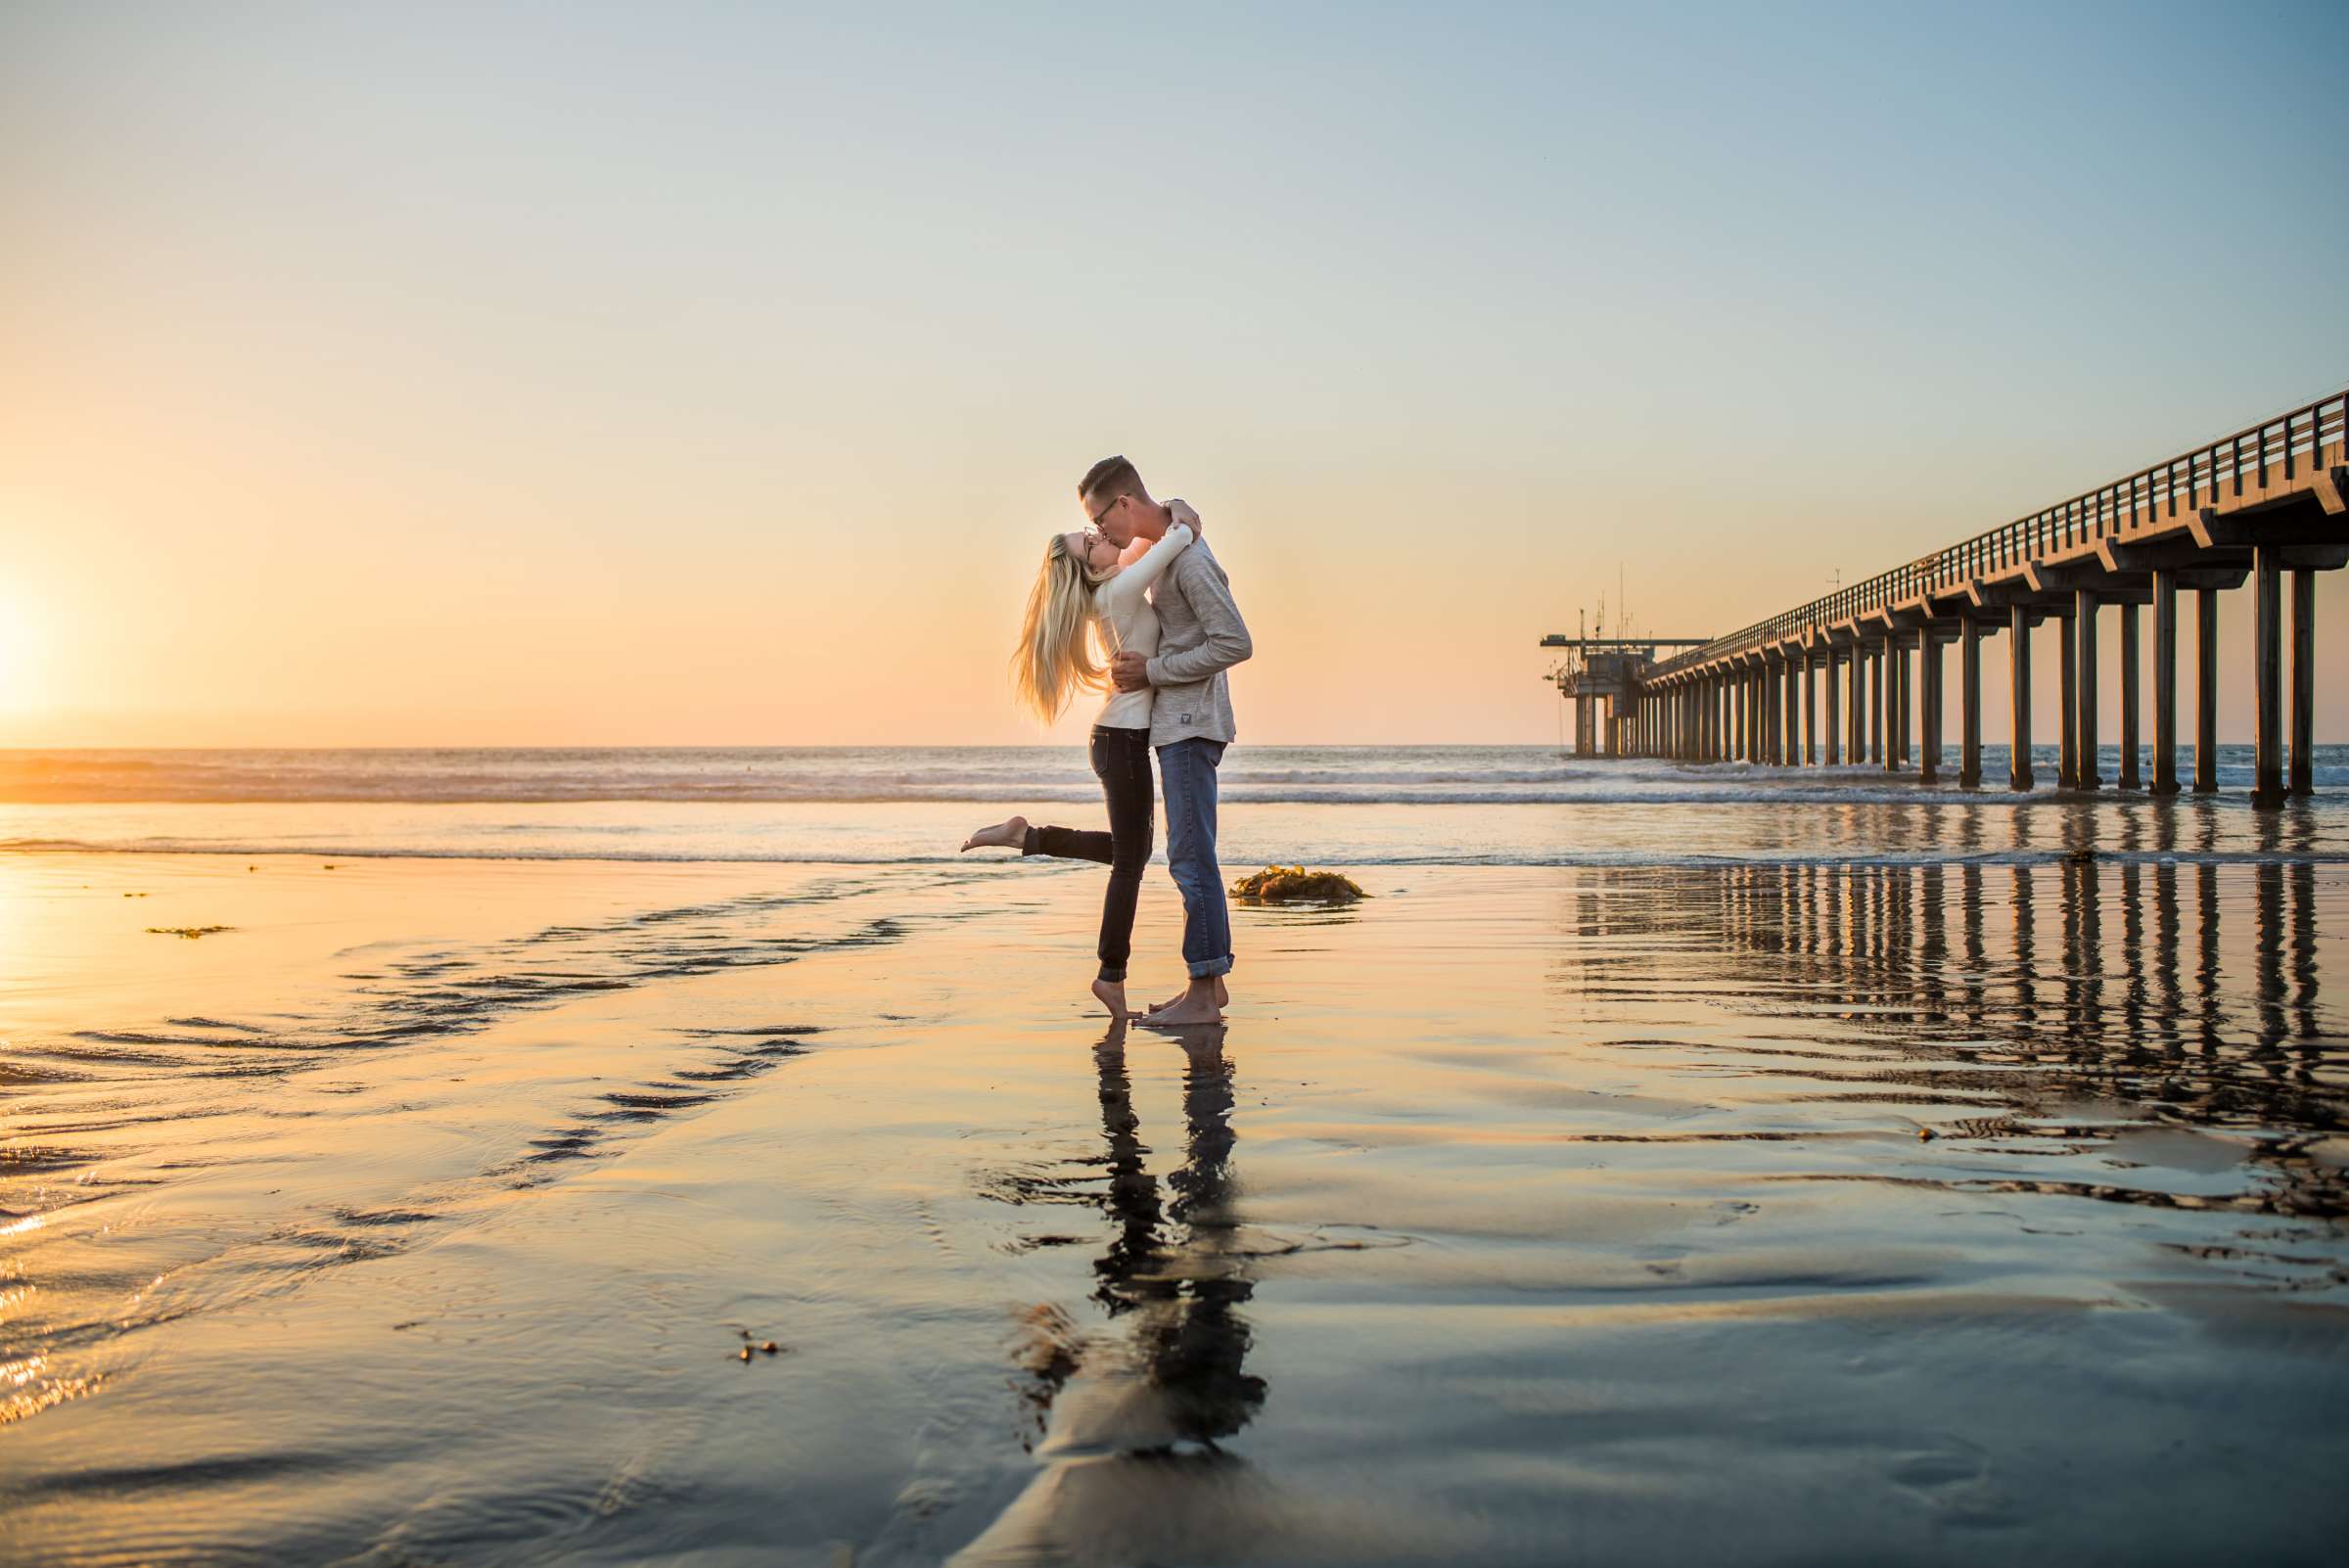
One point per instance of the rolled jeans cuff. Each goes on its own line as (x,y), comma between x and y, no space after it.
(1113,974)
(1211,968)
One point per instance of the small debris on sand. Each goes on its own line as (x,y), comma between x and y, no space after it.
(763,1347)
(191,932)
(1294,884)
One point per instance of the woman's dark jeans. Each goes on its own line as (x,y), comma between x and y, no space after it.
(1122,762)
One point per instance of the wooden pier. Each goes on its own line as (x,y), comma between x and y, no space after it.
(2263,505)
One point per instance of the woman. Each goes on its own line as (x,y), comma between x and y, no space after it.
(1083,608)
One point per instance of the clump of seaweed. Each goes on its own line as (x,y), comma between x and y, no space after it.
(191,932)
(1294,884)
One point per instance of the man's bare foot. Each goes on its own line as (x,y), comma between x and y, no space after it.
(1202,1004)
(1222,997)
(1009,834)
(1112,996)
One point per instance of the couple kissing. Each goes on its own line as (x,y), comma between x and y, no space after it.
(1134,606)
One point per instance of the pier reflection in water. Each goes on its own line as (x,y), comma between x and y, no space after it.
(2072,1002)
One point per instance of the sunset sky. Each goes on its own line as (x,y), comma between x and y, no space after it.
(602,374)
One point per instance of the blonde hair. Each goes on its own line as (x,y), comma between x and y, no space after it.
(1058,654)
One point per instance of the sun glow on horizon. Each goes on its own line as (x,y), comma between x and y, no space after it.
(22,646)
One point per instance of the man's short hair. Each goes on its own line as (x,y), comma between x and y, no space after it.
(1109,479)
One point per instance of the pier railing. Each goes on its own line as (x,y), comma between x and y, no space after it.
(2282,447)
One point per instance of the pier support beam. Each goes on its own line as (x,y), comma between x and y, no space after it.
(1834,714)
(2018,769)
(1790,711)
(1790,715)
(2304,682)
(1895,685)
(2267,668)
(1969,702)
(2165,683)
(1810,724)
(1798,676)
(1905,707)
(2067,704)
(1854,716)
(1794,709)
(2206,691)
(1876,703)
(1904,701)
(1928,706)
(2129,684)
(2084,773)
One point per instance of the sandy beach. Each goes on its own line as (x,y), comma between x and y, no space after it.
(1951,1213)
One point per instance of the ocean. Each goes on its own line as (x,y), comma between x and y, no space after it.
(1348,806)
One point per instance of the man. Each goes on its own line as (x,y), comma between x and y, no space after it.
(1199,636)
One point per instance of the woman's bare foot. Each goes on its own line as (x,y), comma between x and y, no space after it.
(1009,834)
(1112,996)
(1222,997)
(1202,1004)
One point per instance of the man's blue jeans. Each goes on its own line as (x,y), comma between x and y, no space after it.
(1186,773)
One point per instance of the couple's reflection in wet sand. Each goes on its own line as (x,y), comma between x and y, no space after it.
(1134,1416)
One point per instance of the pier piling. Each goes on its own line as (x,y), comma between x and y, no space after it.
(1929,708)
(1809,717)
(1829,700)
(1876,683)
(2084,763)
(2067,703)
(2304,681)
(2206,691)
(2128,698)
(1969,702)
(2267,664)
(2165,683)
(2018,768)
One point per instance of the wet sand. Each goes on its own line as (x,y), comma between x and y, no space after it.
(1795,1214)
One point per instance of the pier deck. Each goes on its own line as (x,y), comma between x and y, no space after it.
(2255,507)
